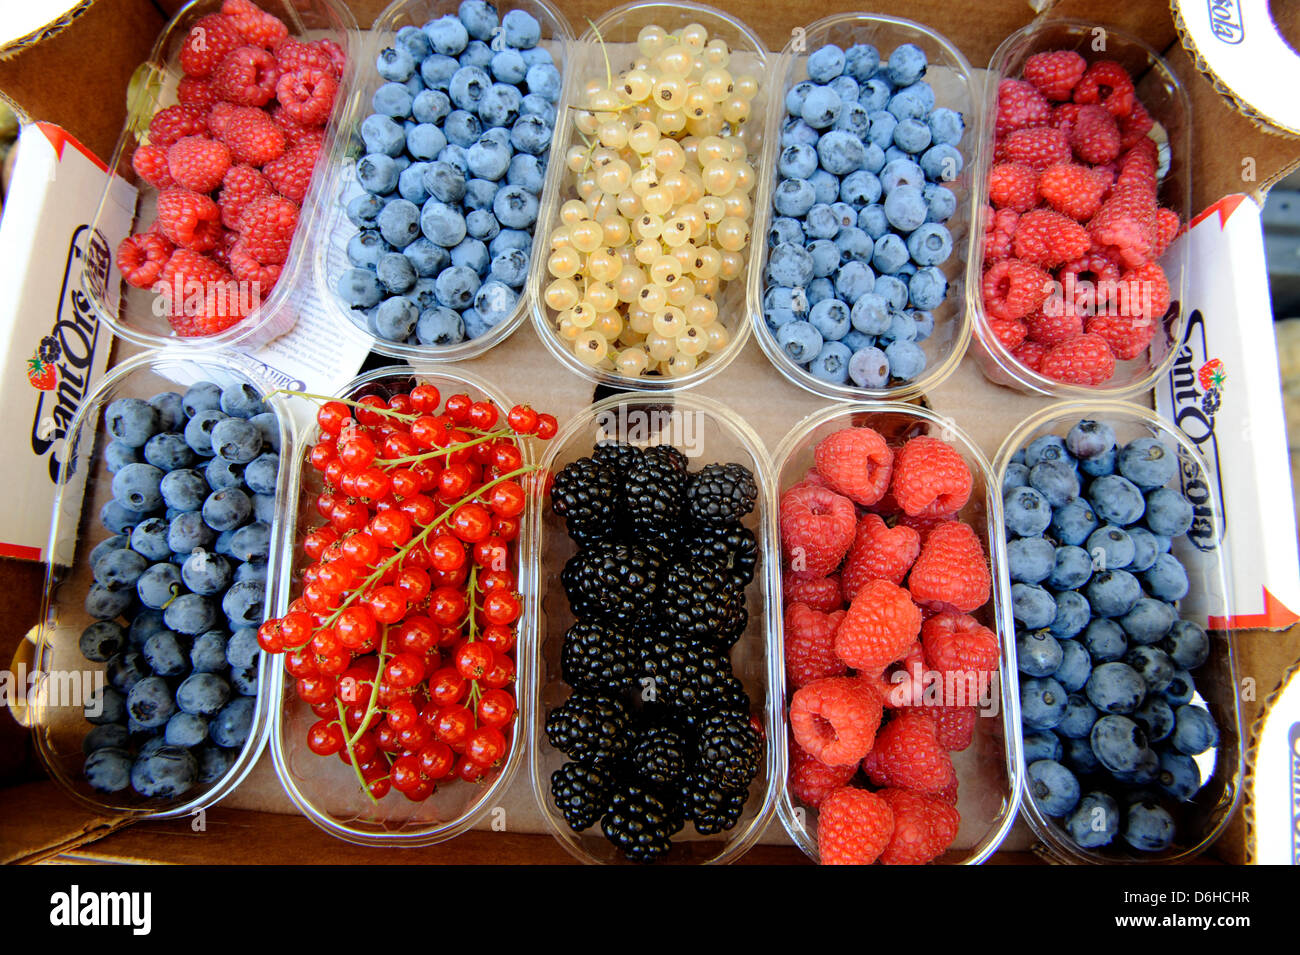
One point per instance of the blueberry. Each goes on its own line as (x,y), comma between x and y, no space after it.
(167,451)
(1179,776)
(831,318)
(121,567)
(221,473)
(1072,566)
(226,509)
(242,650)
(912,136)
(1056,481)
(1075,668)
(149,702)
(927,288)
(166,654)
(1116,688)
(131,421)
(118,518)
(1118,742)
(107,735)
(1148,827)
(264,508)
(208,652)
(191,614)
(820,288)
(1079,757)
(1016,475)
(1111,547)
(872,221)
(854,279)
(1145,549)
(825,63)
(201,396)
(234,722)
(1042,702)
(136,487)
(392,99)
(436,70)
(472,254)
(1072,614)
(906,359)
(1166,579)
(494,301)
(429,106)
(237,440)
(800,341)
(106,546)
(821,107)
(427,258)
(400,225)
(1027,512)
(905,208)
(847,89)
(1044,745)
(1089,438)
(1156,718)
(1100,465)
(365,248)
(1037,652)
(510,267)
(169,772)
(439,326)
(880,132)
(205,573)
(1105,640)
(1073,522)
(118,454)
(251,542)
(479,18)
(832,363)
(1053,788)
(1180,690)
(244,681)
(108,769)
(149,538)
(889,254)
(941,163)
(1194,730)
(906,64)
(508,67)
(243,604)
(1187,644)
(1148,462)
(869,368)
(360,289)
(1094,822)
(1148,621)
(186,730)
(105,706)
(481,225)
(158,585)
(424,141)
(515,207)
(912,101)
(861,61)
(840,153)
(101,640)
(930,244)
(1168,513)
(1113,593)
(262,473)
(790,265)
(124,670)
(1153,665)
(946,126)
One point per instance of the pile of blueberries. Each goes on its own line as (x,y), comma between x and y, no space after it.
(455,157)
(179,588)
(1108,703)
(858,235)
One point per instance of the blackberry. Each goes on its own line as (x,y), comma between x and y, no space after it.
(49,350)
(595,657)
(639,824)
(616,454)
(732,545)
(614,583)
(674,666)
(721,493)
(581,793)
(588,727)
(728,695)
(652,494)
(698,599)
(710,807)
(659,756)
(728,749)
(585,494)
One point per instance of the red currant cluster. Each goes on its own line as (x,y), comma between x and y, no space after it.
(402,639)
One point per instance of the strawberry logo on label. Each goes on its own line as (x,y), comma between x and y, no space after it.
(42,376)
(1212,375)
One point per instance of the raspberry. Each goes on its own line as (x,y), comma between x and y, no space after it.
(1167,226)
(855,462)
(1020,106)
(253,137)
(225,242)
(880,625)
(954,725)
(202,300)
(810,645)
(1001,226)
(1124,228)
(1048,239)
(835,719)
(1013,185)
(1086,360)
(254,23)
(1134,127)
(197,163)
(291,173)
(1127,337)
(192,91)
(924,827)
(1055,73)
(170,124)
(307,95)
(923,524)
(879,552)
(1030,354)
(1072,190)
(189,219)
(1058,320)
(1013,289)
(817,527)
(811,779)
(903,684)
(219,117)
(1064,117)
(908,755)
(1095,135)
(1143,292)
(335,53)
(1139,167)
(291,54)
(259,278)
(141,258)
(1010,332)
(1107,84)
(1038,147)
(930,477)
(246,77)
(952,571)
(964,651)
(207,44)
(820,593)
(150,164)
(1089,281)
(267,226)
(240,186)
(854,827)
(948,795)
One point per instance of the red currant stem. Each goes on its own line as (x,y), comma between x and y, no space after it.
(473,635)
(440,452)
(352,753)
(386,412)
(374,690)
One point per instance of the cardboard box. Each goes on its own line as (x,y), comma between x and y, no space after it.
(248,827)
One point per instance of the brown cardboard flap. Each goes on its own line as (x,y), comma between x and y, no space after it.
(38,820)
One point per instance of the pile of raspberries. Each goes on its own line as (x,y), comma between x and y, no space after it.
(1074,227)
(232,162)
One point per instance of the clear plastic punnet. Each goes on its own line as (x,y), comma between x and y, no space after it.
(989,769)
(1200,820)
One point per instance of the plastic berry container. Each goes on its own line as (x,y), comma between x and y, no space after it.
(139,315)
(950,75)
(610,42)
(989,770)
(330,256)
(1164,97)
(323,787)
(1199,821)
(708,432)
(58,722)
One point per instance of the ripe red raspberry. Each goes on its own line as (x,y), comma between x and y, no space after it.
(1013,289)
(240,186)
(924,827)
(1090,281)
(259,278)
(810,645)
(999,227)
(1030,354)
(200,297)
(307,95)
(170,124)
(207,44)
(964,651)
(811,779)
(1010,332)
(1127,337)
(881,623)
(835,719)
(141,258)
(923,524)
(291,173)
(1124,228)
(820,593)
(257,26)
(951,571)
(930,477)
(219,117)
(1013,185)
(853,828)
(1056,321)
(1134,127)
(225,242)
(1107,84)
(150,164)
(954,725)
(948,795)
(1020,106)
(192,91)
(1086,360)
(246,77)
(1055,73)
(1139,167)
(1072,190)
(1167,226)
(855,462)
(1095,135)
(1047,238)
(253,137)
(189,219)
(879,552)
(1143,292)
(266,228)
(908,755)
(293,54)
(817,527)
(197,163)
(1039,147)
(1064,116)
(335,53)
